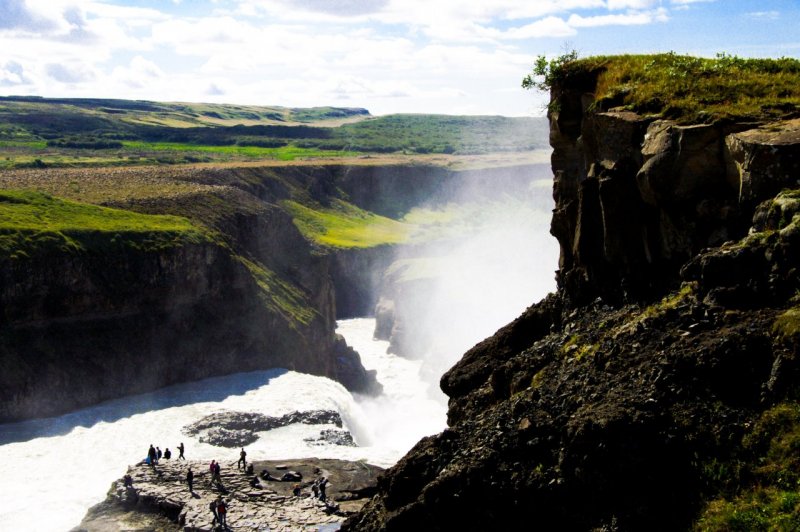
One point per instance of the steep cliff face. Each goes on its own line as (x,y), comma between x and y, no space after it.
(81,328)
(637,197)
(647,385)
(117,314)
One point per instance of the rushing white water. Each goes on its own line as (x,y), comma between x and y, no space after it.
(55,469)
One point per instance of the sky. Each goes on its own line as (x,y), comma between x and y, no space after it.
(389,56)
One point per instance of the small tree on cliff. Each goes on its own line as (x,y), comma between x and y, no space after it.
(546,73)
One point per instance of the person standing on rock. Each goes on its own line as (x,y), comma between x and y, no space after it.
(190,480)
(213,507)
(242,460)
(158,454)
(151,454)
(180,450)
(222,511)
(212,469)
(323,483)
(167,454)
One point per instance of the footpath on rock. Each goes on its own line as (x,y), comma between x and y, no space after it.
(159,497)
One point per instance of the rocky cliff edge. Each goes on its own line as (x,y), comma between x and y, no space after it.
(656,389)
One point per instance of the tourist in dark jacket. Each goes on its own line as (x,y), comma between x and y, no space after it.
(190,480)
(213,507)
(222,511)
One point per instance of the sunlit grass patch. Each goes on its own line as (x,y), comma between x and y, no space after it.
(280,295)
(282,153)
(770,499)
(346,226)
(31,222)
(692,89)
(407,270)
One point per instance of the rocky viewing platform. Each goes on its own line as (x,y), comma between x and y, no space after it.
(159,497)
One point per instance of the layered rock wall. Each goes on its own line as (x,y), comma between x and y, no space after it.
(83,325)
(631,397)
(636,196)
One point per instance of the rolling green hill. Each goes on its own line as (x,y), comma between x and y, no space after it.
(98,132)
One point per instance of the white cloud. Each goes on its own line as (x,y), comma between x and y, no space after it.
(12,74)
(69,73)
(630,19)
(138,74)
(392,54)
(765,15)
(546,27)
(632,4)
(215,90)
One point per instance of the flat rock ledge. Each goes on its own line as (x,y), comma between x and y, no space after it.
(159,499)
(238,429)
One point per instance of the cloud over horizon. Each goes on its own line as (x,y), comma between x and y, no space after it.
(454,56)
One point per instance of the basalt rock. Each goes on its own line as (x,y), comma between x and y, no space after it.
(237,429)
(83,325)
(159,498)
(625,401)
(637,197)
(333,437)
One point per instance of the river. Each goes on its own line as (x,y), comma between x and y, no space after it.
(54,470)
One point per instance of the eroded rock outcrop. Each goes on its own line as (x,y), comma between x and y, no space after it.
(118,316)
(629,398)
(636,197)
(159,498)
(237,429)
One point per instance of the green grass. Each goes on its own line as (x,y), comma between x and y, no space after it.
(408,270)
(443,134)
(770,499)
(692,89)
(88,132)
(280,295)
(33,223)
(283,153)
(787,326)
(346,226)
(343,225)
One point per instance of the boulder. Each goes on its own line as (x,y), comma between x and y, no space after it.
(765,160)
(237,429)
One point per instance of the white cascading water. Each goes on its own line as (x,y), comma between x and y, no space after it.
(66,464)
(55,469)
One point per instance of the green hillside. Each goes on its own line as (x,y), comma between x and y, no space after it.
(33,223)
(37,132)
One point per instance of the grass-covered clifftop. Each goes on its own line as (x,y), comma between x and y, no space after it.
(685,88)
(33,223)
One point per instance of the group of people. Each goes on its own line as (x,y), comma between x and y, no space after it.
(218,506)
(214,468)
(154,454)
(318,488)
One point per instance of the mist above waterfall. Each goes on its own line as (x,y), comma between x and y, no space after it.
(488,256)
